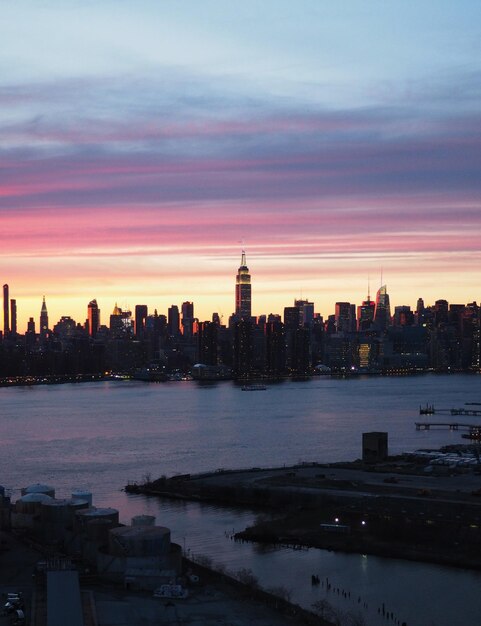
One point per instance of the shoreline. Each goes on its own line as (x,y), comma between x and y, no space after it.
(386,510)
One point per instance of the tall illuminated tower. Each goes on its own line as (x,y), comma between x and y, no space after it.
(6,311)
(382,313)
(43,319)
(243,291)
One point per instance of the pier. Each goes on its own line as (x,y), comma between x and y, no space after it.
(450,425)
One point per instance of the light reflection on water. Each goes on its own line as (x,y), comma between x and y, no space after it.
(100,436)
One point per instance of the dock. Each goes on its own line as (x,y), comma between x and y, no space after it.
(450,425)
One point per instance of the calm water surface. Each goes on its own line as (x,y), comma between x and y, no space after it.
(101,436)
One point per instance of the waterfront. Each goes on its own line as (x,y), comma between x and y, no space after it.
(99,436)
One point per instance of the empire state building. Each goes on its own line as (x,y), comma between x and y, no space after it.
(243,291)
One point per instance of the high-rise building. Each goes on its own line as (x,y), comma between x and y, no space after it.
(345,317)
(141,313)
(187,319)
(207,343)
(441,312)
(173,320)
(365,312)
(306,312)
(243,294)
(93,318)
(43,319)
(292,317)
(13,316)
(382,313)
(275,348)
(30,336)
(403,316)
(6,311)
(120,323)
(242,353)
(31,325)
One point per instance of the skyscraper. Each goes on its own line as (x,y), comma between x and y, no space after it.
(243,291)
(365,312)
(6,311)
(93,318)
(345,317)
(141,313)
(173,320)
(306,312)
(13,316)
(382,314)
(187,319)
(43,319)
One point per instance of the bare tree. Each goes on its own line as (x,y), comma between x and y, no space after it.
(326,611)
(355,618)
(281,592)
(247,577)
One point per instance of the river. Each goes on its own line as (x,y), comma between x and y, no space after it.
(100,436)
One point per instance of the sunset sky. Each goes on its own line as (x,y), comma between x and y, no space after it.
(144,144)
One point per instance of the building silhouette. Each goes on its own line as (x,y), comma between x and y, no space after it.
(243,295)
(141,313)
(6,311)
(187,319)
(13,317)
(207,349)
(173,320)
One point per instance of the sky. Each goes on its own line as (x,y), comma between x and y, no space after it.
(144,144)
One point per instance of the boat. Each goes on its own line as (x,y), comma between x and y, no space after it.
(427,410)
(255,387)
(474,434)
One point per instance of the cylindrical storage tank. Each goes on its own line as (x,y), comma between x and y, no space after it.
(81,494)
(98,530)
(31,503)
(57,512)
(143,520)
(39,488)
(139,541)
(78,505)
(86,515)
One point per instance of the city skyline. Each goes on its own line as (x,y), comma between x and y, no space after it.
(141,148)
(241,307)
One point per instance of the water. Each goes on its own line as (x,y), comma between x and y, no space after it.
(101,436)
